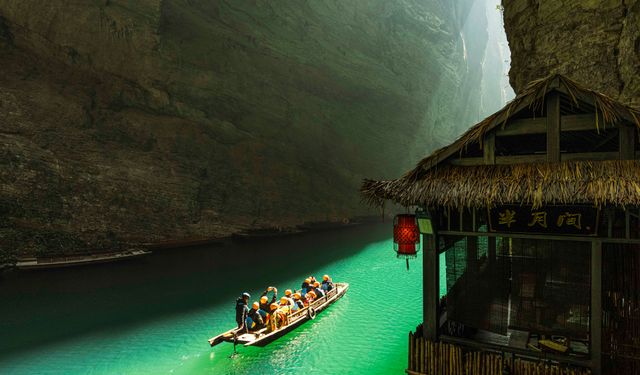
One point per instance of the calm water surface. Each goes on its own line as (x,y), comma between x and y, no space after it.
(154,315)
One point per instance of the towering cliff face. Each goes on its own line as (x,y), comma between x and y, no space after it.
(596,42)
(152,120)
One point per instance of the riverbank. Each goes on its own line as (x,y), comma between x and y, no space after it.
(104,256)
(265,233)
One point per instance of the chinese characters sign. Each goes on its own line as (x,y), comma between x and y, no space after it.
(571,220)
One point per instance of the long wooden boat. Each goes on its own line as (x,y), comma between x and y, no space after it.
(263,337)
(77,260)
(259,234)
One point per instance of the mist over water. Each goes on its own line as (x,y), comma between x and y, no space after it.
(154,315)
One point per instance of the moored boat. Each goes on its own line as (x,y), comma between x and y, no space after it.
(77,260)
(297,318)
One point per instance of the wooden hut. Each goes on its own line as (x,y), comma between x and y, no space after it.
(536,211)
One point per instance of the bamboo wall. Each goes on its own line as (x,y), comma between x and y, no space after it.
(437,358)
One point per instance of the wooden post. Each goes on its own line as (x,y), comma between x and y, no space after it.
(553,127)
(627,142)
(489,148)
(472,255)
(596,307)
(492,249)
(627,229)
(430,287)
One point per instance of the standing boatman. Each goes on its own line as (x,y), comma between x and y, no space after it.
(242,309)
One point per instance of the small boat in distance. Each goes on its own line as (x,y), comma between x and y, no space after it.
(263,337)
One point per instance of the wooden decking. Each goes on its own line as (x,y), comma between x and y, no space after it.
(435,358)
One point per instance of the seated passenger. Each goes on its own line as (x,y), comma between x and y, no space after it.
(327,283)
(288,295)
(255,320)
(310,297)
(264,300)
(285,305)
(278,319)
(265,316)
(305,285)
(298,300)
(318,291)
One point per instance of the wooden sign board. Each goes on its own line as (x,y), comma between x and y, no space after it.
(562,220)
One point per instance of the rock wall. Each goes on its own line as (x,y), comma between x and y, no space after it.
(144,121)
(596,42)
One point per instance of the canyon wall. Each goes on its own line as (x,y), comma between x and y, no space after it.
(136,122)
(596,42)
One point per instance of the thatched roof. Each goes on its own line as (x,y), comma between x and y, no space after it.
(614,182)
(435,182)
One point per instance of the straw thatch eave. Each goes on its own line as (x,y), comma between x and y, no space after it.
(598,183)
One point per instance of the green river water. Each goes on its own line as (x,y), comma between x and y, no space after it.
(154,315)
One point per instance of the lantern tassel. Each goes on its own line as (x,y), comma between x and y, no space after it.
(407,259)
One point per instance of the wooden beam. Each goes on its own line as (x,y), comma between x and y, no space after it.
(596,308)
(541,237)
(585,121)
(523,127)
(553,126)
(589,156)
(538,158)
(467,162)
(489,148)
(538,125)
(520,159)
(500,160)
(627,134)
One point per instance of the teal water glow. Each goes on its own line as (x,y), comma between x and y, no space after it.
(154,315)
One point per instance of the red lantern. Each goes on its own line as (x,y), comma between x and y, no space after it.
(406,236)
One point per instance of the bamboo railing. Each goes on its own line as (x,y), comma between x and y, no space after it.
(439,358)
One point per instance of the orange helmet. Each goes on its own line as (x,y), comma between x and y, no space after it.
(316,284)
(284,301)
(325,277)
(264,299)
(274,306)
(256,305)
(312,294)
(287,292)
(307,280)
(296,295)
